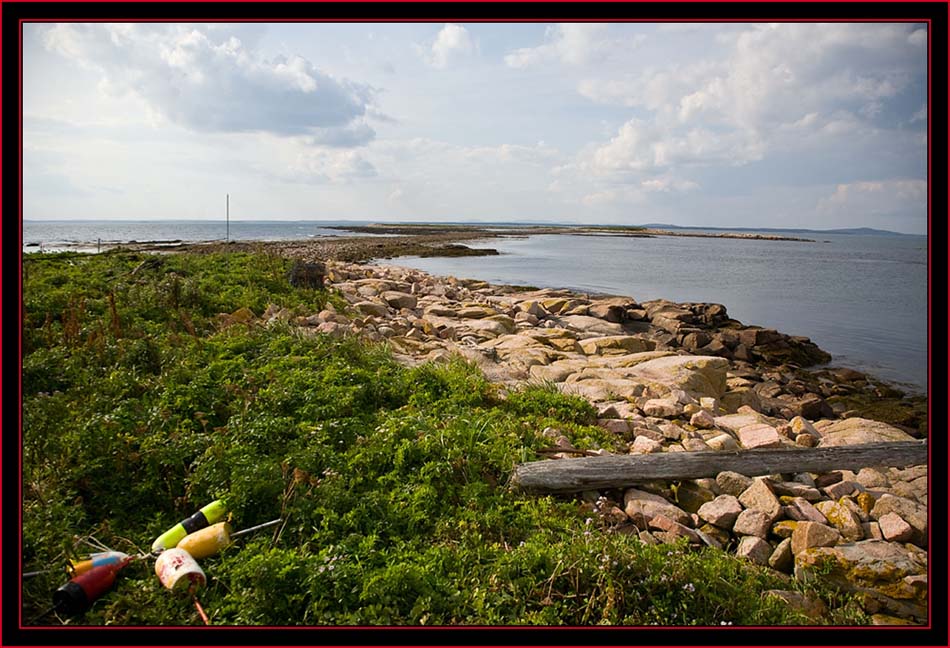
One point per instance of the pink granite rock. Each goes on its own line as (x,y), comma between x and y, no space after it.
(759,435)
(894,528)
(812,534)
(721,512)
(800,509)
(752,523)
(760,496)
(754,549)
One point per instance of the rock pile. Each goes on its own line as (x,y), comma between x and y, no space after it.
(668,377)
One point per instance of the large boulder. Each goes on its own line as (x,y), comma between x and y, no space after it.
(398,299)
(602,389)
(616,345)
(372,308)
(589,324)
(611,309)
(721,512)
(641,507)
(892,578)
(698,376)
(910,511)
(857,431)
(628,359)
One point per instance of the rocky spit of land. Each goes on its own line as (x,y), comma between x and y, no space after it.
(383,241)
(576,230)
(670,377)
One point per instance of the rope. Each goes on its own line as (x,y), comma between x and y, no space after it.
(201,612)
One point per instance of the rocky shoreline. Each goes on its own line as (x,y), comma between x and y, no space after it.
(532,230)
(382,241)
(676,377)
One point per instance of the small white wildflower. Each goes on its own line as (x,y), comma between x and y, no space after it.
(588,520)
(689,587)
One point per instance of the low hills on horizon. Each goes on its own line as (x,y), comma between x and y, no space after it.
(865,231)
(868,231)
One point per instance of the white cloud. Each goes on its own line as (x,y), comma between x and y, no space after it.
(898,198)
(668,184)
(645,148)
(430,178)
(205,80)
(776,86)
(453,42)
(572,44)
(614,196)
(805,123)
(395,196)
(772,74)
(322,165)
(918,37)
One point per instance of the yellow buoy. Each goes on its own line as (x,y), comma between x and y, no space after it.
(208,541)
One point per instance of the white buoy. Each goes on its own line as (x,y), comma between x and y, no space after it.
(178,571)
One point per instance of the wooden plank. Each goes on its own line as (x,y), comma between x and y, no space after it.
(618,471)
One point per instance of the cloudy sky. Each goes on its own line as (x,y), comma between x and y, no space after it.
(737,125)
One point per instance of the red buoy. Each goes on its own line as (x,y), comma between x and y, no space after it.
(80,593)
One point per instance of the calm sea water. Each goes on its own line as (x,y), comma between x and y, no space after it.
(79,234)
(861,298)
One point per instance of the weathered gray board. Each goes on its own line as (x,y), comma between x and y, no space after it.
(618,471)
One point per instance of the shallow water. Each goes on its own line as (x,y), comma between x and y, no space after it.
(84,235)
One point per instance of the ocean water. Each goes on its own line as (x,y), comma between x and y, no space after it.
(85,234)
(862,299)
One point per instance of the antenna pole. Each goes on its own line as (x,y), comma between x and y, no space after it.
(227,216)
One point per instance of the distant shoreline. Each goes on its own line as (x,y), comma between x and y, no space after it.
(385,241)
(522,230)
(351,224)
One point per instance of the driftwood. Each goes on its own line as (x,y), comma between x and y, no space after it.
(618,471)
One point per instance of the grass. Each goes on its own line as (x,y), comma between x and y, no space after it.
(139,409)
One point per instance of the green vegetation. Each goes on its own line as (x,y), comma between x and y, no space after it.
(141,405)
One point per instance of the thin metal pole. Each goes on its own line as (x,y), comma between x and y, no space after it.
(227,236)
(256,528)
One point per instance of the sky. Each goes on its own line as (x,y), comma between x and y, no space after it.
(800,125)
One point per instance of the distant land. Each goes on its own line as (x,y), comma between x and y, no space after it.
(867,231)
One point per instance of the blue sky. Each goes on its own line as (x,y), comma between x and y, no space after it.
(737,125)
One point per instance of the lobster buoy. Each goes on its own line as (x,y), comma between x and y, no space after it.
(209,514)
(212,539)
(78,567)
(81,592)
(178,571)
(207,541)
